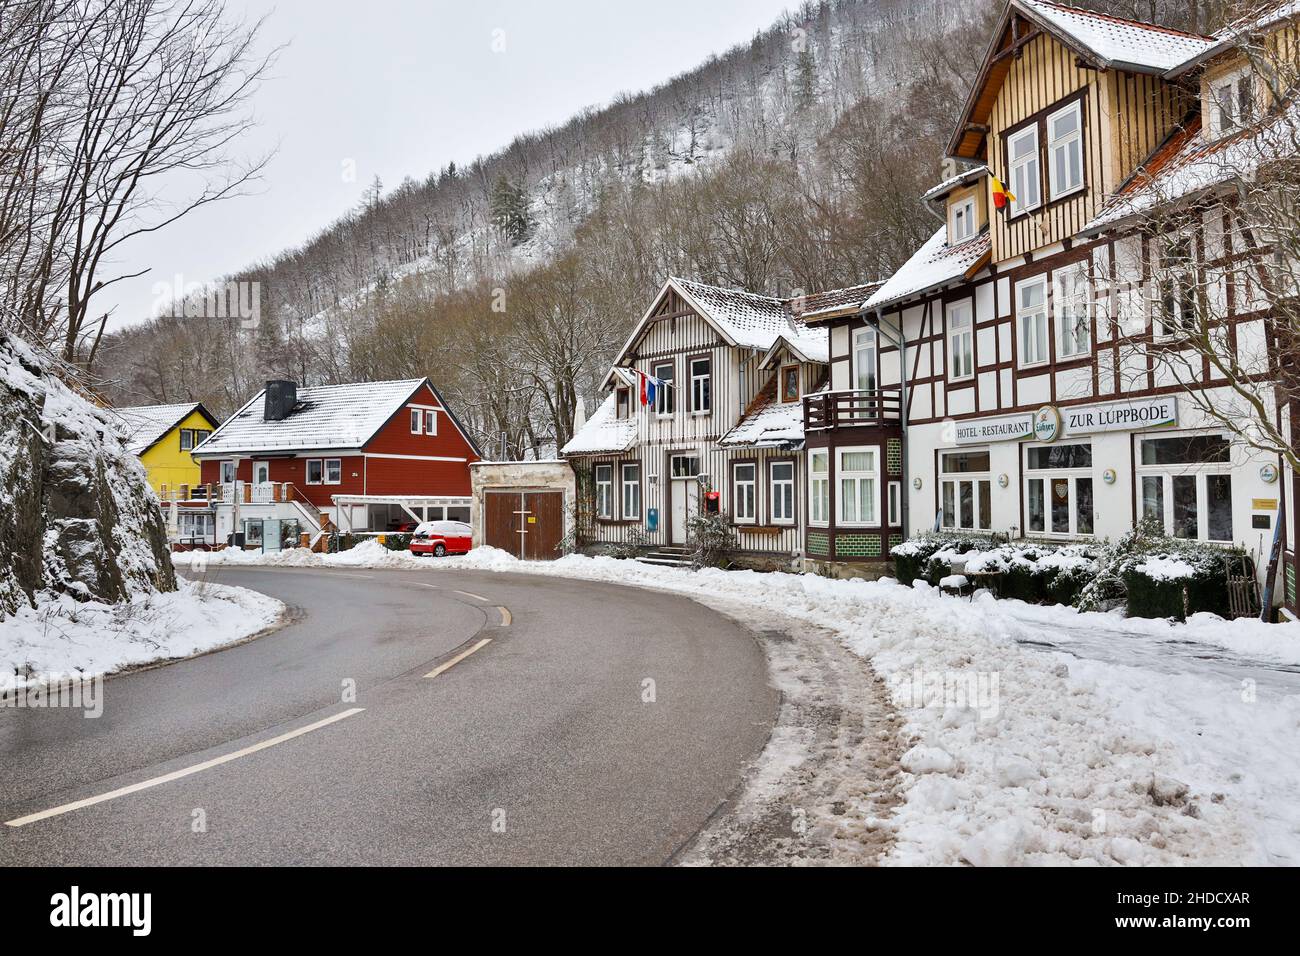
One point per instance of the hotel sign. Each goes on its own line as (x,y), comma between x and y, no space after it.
(1050,422)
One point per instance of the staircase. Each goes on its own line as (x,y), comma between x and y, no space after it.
(670,556)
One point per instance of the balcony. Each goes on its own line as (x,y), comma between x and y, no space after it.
(852,408)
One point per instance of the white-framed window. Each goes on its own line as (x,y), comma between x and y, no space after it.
(1072,298)
(1065,150)
(622,403)
(865,360)
(1129,306)
(744,492)
(1031,318)
(227,472)
(1174,309)
(199,525)
(430,422)
(965,490)
(961,340)
(333,471)
(701,386)
(315,471)
(819,487)
(859,477)
(416,418)
(665,394)
(895,512)
(962,226)
(684,466)
(1232,103)
(187,439)
(1058,489)
(604,491)
(631,490)
(1185,483)
(781,491)
(1026,179)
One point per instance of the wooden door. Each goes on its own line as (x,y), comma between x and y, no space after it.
(543,522)
(500,524)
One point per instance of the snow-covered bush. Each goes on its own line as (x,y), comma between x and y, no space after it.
(632,544)
(1028,570)
(713,536)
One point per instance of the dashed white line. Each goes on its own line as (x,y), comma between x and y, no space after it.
(178,774)
(470,594)
(442,668)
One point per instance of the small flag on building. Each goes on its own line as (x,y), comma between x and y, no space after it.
(649,388)
(1001,195)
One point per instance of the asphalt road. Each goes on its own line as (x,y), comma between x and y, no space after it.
(538,748)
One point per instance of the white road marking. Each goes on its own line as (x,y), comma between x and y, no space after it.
(421,584)
(363,577)
(442,668)
(476,597)
(505,616)
(178,774)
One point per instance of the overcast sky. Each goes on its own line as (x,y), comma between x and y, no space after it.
(402,87)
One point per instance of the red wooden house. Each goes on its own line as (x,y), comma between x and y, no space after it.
(367,456)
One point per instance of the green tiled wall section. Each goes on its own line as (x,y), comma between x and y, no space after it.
(857,545)
(894,456)
(819,542)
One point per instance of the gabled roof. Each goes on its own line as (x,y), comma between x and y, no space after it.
(1237,33)
(143,426)
(343,417)
(740,318)
(1185,167)
(1103,41)
(815,351)
(834,303)
(960,181)
(933,265)
(767,423)
(603,433)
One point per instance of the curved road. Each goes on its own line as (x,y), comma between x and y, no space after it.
(537,748)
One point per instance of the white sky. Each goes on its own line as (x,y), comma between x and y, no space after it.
(402,87)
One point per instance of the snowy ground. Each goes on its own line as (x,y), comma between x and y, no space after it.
(67,639)
(1027,734)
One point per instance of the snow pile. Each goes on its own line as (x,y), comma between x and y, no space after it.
(1163,568)
(1016,754)
(65,637)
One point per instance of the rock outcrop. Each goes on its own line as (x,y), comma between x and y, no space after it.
(77,515)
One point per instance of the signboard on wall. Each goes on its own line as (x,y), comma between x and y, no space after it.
(1050,422)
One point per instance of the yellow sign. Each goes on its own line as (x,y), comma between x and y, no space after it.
(1263,504)
(532,520)
(383,539)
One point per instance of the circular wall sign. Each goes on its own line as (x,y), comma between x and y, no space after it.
(916,483)
(1268,473)
(1109,476)
(1047,423)
(1003,480)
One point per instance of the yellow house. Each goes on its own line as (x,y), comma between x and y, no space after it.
(163,436)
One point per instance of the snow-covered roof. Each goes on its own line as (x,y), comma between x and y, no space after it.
(1114,42)
(744,317)
(326,416)
(933,265)
(814,349)
(604,432)
(964,178)
(767,423)
(1186,166)
(1238,32)
(143,426)
(833,302)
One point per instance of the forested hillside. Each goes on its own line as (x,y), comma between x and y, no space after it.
(792,163)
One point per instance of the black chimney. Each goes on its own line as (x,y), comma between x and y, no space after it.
(281,397)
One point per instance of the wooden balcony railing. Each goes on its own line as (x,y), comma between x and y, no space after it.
(851,408)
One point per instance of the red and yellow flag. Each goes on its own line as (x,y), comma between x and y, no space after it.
(1001,194)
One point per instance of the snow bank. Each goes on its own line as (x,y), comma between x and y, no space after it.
(1020,755)
(65,637)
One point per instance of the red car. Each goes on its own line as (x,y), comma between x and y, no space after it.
(441,537)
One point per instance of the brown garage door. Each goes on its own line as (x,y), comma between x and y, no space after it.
(527,524)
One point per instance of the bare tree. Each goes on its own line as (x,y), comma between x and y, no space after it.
(111,108)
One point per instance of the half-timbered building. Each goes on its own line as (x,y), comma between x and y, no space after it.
(727,419)
(1035,401)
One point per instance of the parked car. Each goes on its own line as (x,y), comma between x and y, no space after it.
(441,537)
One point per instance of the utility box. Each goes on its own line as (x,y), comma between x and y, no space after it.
(652,519)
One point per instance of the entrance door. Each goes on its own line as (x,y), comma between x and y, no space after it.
(261,472)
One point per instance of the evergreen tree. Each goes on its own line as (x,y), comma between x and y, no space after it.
(510,210)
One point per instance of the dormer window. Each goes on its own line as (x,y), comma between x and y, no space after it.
(963,225)
(1232,103)
(623,403)
(1065,150)
(1022,157)
(790,383)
